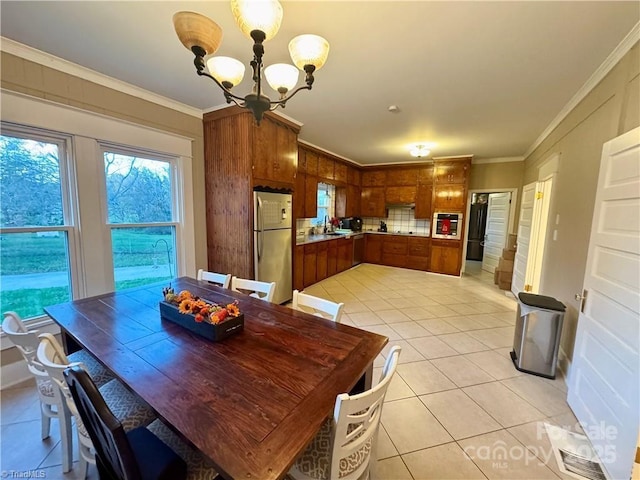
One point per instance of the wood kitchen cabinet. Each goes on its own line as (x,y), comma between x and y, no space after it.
(418,253)
(239,156)
(310,196)
(298,267)
(321,261)
(425,175)
(423,202)
(373,248)
(395,250)
(373,178)
(400,194)
(340,172)
(326,168)
(445,256)
(345,254)
(451,171)
(449,198)
(332,257)
(354,177)
(353,208)
(299,195)
(401,176)
(275,150)
(310,254)
(373,202)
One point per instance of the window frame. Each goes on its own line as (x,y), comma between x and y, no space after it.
(68,180)
(176,211)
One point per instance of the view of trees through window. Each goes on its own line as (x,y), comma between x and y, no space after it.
(139,205)
(34,261)
(36,228)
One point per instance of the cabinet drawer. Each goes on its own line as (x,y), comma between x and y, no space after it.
(419,247)
(398,247)
(394,260)
(418,263)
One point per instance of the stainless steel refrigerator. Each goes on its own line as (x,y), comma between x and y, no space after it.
(272,242)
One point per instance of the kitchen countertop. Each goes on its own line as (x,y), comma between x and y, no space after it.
(323,237)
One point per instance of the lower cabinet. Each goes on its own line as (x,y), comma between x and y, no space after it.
(394,251)
(321,261)
(298,267)
(332,257)
(345,254)
(445,257)
(310,254)
(373,248)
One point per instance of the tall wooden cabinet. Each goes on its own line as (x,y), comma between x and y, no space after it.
(239,155)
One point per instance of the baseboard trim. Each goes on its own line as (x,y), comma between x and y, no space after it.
(564,365)
(13,374)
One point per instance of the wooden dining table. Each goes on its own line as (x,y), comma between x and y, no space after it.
(251,402)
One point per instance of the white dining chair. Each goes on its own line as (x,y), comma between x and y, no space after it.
(26,341)
(224,280)
(262,290)
(317,306)
(345,444)
(129,410)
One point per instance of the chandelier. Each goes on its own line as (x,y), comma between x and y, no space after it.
(259,20)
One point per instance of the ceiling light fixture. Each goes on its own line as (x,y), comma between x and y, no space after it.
(419,150)
(260,21)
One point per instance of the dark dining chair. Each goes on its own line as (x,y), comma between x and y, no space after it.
(120,455)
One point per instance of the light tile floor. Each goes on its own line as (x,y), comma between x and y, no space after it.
(457,408)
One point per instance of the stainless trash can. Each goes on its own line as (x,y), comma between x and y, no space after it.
(537,336)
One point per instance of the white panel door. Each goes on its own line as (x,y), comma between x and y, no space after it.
(496,230)
(524,237)
(605,372)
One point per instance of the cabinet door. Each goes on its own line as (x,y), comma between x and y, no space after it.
(264,149)
(449,198)
(402,176)
(400,195)
(373,248)
(423,202)
(340,172)
(354,176)
(311,159)
(445,257)
(373,178)
(332,258)
(310,196)
(287,156)
(425,175)
(451,171)
(418,257)
(302,160)
(310,254)
(345,254)
(372,202)
(394,244)
(321,261)
(325,168)
(353,201)
(299,196)
(298,268)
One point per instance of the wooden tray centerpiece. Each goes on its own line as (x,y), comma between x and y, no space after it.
(206,319)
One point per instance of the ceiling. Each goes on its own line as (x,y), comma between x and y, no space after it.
(481,78)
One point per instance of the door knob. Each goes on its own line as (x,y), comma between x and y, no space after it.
(579,297)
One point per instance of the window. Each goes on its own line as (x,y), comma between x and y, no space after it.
(36,230)
(326,193)
(140,214)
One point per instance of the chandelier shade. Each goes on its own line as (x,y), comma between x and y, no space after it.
(226,69)
(419,150)
(195,30)
(263,15)
(309,50)
(281,77)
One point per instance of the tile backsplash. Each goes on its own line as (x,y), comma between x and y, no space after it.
(399,219)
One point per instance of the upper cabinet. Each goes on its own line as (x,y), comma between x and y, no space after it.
(275,152)
(451,171)
(326,170)
(373,178)
(340,172)
(402,177)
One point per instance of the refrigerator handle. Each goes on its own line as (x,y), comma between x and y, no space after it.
(260,229)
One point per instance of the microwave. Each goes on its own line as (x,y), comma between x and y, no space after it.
(446,225)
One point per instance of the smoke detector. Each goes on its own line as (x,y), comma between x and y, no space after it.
(394,109)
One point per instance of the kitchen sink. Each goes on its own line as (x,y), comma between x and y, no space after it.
(334,234)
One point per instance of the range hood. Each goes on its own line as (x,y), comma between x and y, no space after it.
(400,205)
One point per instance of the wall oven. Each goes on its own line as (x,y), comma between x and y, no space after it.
(447,225)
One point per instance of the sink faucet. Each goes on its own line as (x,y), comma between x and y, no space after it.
(326,219)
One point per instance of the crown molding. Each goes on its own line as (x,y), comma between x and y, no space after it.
(481,161)
(309,144)
(614,57)
(272,112)
(51,61)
